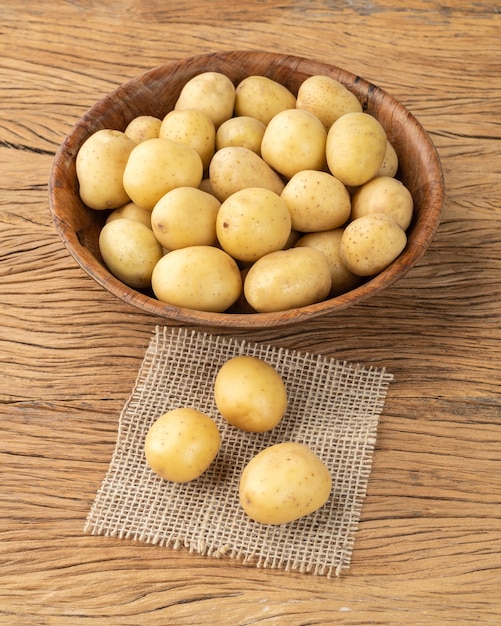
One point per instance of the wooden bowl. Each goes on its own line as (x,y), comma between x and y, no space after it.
(155,92)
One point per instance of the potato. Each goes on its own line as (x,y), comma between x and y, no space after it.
(287,279)
(130,251)
(355,148)
(252,222)
(243,131)
(235,168)
(283,483)
(389,166)
(370,243)
(329,243)
(316,201)
(143,127)
(131,211)
(181,444)
(100,164)
(156,166)
(192,127)
(384,194)
(250,394)
(262,98)
(185,216)
(212,93)
(294,140)
(203,278)
(326,98)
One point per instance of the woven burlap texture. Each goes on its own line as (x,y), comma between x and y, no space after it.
(334,408)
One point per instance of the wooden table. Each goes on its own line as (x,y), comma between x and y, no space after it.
(428,546)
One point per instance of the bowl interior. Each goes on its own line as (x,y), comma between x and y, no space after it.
(155,93)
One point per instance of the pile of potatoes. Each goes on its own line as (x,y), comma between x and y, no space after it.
(248,198)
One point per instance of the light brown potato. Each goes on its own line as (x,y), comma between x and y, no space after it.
(213,93)
(100,164)
(355,148)
(326,98)
(253,222)
(202,278)
(192,127)
(316,201)
(384,194)
(243,131)
(156,166)
(185,216)
(143,127)
(287,279)
(235,168)
(283,483)
(250,394)
(181,444)
(130,251)
(131,211)
(262,98)
(294,140)
(370,243)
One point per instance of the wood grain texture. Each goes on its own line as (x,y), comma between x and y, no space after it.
(428,546)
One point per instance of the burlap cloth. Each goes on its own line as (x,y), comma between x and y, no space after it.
(334,408)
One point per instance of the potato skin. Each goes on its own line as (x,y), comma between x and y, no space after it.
(193,128)
(262,98)
(243,131)
(143,127)
(384,194)
(212,93)
(284,482)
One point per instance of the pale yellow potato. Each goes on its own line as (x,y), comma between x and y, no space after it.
(287,279)
(329,243)
(326,98)
(389,166)
(203,278)
(130,251)
(253,222)
(243,131)
(370,243)
(100,164)
(131,211)
(294,140)
(143,127)
(192,127)
(185,216)
(250,394)
(156,166)
(355,148)
(384,194)
(262,98)
(283,483)
(235,168)
(210,92)
(316,201)
(181,444)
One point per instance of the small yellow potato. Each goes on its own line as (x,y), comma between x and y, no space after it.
(185,216)
(181,444)
(243,131)
(329,243)
(100,164)
(212,93)
(250,394)
(262,98)
(203,278)
(143,127)
(326,98)
(287,279)
(192,127)
(316,201)
(389,166)
(283,483)
(156,166)
(355,148)
(253,222)
(370,243)
(294,140)
(235,168)
(131,211)
(130,251)
(384,194)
